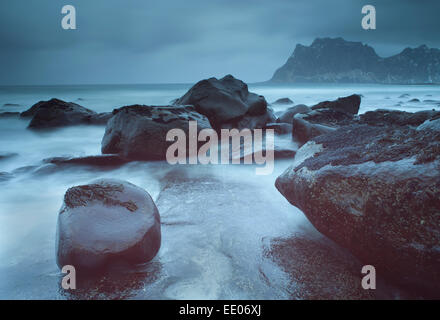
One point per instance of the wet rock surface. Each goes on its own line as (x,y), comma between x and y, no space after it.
(287,116)
(225,102)
(375,191)
(139,132)
(106,223)
(348,104)
(57,113)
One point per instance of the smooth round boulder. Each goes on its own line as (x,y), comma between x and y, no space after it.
(224,101)
(105,223)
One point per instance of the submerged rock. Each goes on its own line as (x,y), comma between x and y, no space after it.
(9,114)
(7,155)
(139,132)
(375,191)
(224,101)
(283,101)
(57,113)
(105,223)
(5,176)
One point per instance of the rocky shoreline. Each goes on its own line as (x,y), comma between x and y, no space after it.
(369,182)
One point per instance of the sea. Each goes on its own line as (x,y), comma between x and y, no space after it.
(226,232)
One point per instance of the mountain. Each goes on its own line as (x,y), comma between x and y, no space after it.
(338,60)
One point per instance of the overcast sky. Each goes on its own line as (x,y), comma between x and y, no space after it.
(183,41)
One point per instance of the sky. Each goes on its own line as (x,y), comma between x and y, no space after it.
(184,41)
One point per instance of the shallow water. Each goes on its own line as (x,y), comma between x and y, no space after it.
(223,227)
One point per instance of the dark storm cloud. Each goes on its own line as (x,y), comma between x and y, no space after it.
(141,41)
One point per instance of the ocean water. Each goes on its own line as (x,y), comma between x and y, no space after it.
(219,223)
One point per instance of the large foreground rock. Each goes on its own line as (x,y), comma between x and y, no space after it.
(107,222)
(225,101)
(57,113)
(375,190)
(139,132)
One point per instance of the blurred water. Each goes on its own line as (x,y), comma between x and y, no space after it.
(217,220)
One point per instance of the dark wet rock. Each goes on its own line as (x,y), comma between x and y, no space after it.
(252,122)
(431,101)
(283,101)
(101,118)
(325,117)
(287,116)
(57,113)
(322,270)
(396,118)
(304,130)
(9,114)
(139,132)
(348,104)
(105,160)
(280,128)
(107,222)
(224,101)
(374,190)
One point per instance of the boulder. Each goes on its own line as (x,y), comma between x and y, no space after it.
(287,116)
(139,132)
(106,223)
(348,104)
(283,101)
(224,101)
(57,113)
(374,190)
